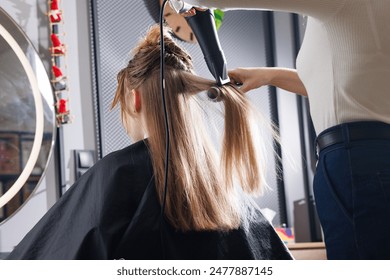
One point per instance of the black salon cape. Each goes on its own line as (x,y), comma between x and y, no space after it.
(112,212)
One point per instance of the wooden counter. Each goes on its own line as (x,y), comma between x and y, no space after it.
(308,251)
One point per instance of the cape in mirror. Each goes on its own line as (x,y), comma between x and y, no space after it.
(27,122)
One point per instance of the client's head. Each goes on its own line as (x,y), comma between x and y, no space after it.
(201,195)
(139,83)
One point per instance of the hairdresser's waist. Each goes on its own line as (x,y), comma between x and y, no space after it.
(352,132)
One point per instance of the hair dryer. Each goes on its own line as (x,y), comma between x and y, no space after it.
(203,25)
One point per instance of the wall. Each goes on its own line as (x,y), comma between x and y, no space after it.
(288,115)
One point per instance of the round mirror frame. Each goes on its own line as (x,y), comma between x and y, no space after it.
(42,91)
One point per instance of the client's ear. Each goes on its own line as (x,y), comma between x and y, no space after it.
(136,100)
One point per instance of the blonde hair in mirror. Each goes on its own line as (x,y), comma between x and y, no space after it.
(201,191)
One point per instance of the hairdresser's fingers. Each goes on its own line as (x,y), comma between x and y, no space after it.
(251,78)
(244,86)
(237,77)
(247,77)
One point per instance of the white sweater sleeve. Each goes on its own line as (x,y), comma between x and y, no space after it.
(321,9)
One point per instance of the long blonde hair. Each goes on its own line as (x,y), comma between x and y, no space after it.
(201,193)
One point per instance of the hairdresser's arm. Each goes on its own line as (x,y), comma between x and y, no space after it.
(321,9)
(252,78)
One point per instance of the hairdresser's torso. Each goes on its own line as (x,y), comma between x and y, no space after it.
(344,61)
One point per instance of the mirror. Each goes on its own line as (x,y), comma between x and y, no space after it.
(27,119)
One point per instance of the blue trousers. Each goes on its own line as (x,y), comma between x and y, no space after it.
(352,194)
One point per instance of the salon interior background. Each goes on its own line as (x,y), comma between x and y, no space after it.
(99,35)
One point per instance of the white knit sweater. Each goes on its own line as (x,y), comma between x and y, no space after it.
(344,61)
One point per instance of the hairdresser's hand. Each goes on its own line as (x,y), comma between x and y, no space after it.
(252,78)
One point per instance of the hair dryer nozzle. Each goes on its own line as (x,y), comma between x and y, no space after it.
(203,26)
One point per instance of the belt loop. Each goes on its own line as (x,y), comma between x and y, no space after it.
(316,149)
(346,135)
